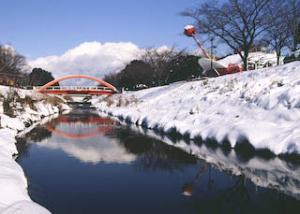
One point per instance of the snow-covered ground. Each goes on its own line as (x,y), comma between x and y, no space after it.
(261,106)
(14,197)
(259,59)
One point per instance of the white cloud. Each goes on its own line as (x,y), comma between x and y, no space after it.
(163,49)
(89,150)
(90,58)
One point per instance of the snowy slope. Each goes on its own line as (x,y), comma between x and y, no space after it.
(261,106)
(259,58)
(14,197)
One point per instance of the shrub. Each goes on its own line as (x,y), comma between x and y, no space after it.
(9,102)
(54,100)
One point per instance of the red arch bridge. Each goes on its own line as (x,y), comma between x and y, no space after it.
(103,88)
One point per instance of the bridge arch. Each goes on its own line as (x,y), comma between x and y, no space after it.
(103,126)
(99,131)
(102,82)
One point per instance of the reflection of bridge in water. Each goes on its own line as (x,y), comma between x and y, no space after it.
(100,130)
(90,119)
(104,125)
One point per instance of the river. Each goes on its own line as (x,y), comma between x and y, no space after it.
(86,163)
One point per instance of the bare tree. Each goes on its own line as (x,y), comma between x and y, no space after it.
(13,67)
(278,34)
(294,22)
(159,60)
(236,22)
(156,67)
(10,61)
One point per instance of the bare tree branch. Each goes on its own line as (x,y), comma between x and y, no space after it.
(237,23)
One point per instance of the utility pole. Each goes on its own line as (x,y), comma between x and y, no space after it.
(211,52)
(212,69)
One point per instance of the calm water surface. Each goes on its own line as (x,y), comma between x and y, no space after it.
(84,163)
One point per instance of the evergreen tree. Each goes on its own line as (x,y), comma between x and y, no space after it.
(40,77)
(184,67)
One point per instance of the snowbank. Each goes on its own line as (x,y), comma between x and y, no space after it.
(262,107)
(14,197)
(255,58)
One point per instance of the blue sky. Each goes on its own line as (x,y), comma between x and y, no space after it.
(40,28)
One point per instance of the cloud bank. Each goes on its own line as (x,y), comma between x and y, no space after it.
(91,150)
(90,58)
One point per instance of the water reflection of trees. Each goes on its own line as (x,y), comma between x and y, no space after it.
(88,118)
(237,195)
(240,196)
(38,134)
(152,154)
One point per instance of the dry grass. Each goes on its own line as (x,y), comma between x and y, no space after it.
(68,98)
(9,102)
(125,101)
(119,100)
(109,101)
(54,100)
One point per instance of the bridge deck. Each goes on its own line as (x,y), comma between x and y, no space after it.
(92,90)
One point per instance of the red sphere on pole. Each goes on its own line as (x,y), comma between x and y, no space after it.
(190,30)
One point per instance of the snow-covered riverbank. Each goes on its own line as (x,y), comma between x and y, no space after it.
(261,107)
(25,109)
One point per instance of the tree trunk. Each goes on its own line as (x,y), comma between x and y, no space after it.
(245,62)
(244,58)
(278,53)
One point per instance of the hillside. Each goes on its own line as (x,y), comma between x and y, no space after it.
(261,107)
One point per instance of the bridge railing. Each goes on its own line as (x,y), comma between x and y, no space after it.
(81,88)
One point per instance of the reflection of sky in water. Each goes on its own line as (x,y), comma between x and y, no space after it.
(130,171)
(274,173)
(88,150)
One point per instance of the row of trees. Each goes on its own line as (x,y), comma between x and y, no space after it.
(240,24)
(14,70)
(156,68)
(11,66)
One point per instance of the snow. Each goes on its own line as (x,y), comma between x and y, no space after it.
(261,106)
(258,58)
(189,27)
(14,197)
